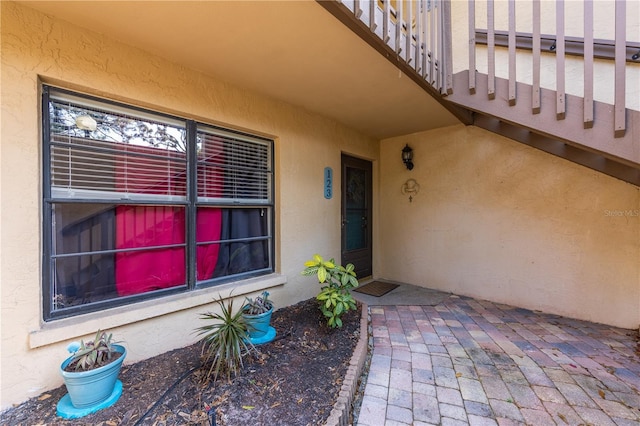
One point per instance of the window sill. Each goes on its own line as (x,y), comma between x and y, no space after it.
(81,325)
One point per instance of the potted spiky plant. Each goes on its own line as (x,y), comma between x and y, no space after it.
(257,315)
(91,372)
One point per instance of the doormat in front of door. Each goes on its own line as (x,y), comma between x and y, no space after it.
(376,288)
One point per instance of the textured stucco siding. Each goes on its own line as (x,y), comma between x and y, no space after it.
(505,222)
(35,49)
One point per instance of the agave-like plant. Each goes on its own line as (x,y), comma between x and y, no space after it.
(224,341)
(259,305)
(94,353)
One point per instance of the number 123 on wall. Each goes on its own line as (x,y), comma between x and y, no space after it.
(328,183)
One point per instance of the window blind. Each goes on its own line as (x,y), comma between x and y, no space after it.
(233,169)
(121,156)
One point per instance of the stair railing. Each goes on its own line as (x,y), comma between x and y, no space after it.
(419,32)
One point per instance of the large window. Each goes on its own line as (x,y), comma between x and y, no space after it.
(138,204)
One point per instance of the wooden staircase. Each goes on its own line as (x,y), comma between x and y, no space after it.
(602,136)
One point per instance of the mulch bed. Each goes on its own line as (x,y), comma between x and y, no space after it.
(294,380)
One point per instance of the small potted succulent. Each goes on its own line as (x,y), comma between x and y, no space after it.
(91,372)
(257,315)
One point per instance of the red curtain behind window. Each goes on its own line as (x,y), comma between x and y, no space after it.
(147,226)
(144,226)
(209,227)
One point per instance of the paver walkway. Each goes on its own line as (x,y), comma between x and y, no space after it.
(466,361)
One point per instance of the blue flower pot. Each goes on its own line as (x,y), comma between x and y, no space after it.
(258,325)
(89,388)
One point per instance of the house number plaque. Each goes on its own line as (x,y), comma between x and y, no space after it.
(328,183)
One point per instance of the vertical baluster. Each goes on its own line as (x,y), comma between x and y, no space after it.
(357,9)
(419,39)
(560,74)
(472,47)
(491,83)
(425,49)
(447,50)
(432,42)
(620,53)
(512,52)
(588,64)
(398,27)
(439,47)
(372,15)
(535,89)
(386,20)
(409,32)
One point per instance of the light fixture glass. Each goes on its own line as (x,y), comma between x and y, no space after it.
(407,157)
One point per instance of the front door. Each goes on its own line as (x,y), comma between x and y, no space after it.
(356,214)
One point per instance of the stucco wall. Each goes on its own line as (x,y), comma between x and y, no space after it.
(36,48)
(502,221)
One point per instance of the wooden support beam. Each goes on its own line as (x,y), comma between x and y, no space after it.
(419,39)
(573,46)
(399,21)
(535,88)
(472,47)
(560,68)
(425,49)
(491,49)
(409,37)
(447,48)
(386,21)
(588,64)
(372,16)
(357,9)
(619,101)
(432,43)
(512,53)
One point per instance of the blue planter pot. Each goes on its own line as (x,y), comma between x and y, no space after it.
(258,325)
(91,388)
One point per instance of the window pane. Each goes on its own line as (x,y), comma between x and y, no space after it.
(85,235)
(106,251)
(163,227)
(83,228)
(233,169)
(356,209)
(231,241)
(144,271)
(83,279)
(114,153)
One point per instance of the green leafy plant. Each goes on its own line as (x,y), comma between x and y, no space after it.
(224,341)
(334,298)
(94,353)
(259,305)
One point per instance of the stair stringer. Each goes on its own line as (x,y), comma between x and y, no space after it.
(595,147)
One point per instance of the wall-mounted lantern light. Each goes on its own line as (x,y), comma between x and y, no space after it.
(407,157)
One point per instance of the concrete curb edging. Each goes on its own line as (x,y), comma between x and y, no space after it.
(342,408)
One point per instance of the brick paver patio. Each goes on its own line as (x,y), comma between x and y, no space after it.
(471,362)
